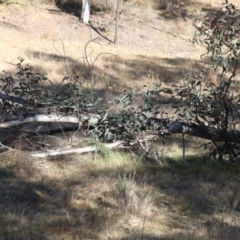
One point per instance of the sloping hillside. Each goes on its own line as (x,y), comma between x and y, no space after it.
(112,194)
(45,36)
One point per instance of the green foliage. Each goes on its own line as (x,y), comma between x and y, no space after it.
(31,92)
(215,105)
(126,116)
(27,85)
(41,96)
(219,33)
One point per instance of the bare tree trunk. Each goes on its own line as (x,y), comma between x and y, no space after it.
(85,11)
(116,23)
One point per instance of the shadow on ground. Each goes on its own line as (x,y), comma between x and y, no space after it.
(114,72)
(75,7)
(173,10)
(168,9)
(81,200)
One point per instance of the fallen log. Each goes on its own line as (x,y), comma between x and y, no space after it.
(29,118)
(202,131)
(165,128)
(117,144)
(22,101)
(52,153)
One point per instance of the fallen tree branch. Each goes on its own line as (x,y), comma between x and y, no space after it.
(22,101)
(39,118)
(117,144)
(193,129)
(202,132)
(52,153)
(28,118)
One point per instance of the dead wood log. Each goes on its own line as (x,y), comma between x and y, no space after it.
(52,153)
(22,101)
(193,129)
(117,144)
(202,131)
(48,118)
(165,128)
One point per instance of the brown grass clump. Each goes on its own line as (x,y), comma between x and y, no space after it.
(117,195)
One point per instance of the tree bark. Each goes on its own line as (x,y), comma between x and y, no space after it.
(52,153)
(164,127)
(193,129)
(85,11)
(117,144)
(14,120)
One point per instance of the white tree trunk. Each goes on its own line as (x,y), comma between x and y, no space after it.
(85,11)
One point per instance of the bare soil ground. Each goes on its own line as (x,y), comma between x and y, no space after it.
(112,194)
(45,36)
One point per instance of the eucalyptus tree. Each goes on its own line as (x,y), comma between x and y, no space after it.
(85,11)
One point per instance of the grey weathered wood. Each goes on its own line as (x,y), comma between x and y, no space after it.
(11,120)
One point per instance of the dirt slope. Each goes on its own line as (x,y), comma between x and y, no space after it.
(111,194)
(44,35)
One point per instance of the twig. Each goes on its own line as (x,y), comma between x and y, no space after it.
(64,55)
(8,148)
(183,146)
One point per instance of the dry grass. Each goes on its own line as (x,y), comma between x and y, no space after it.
(113,195)
(50,39)
(118,196)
